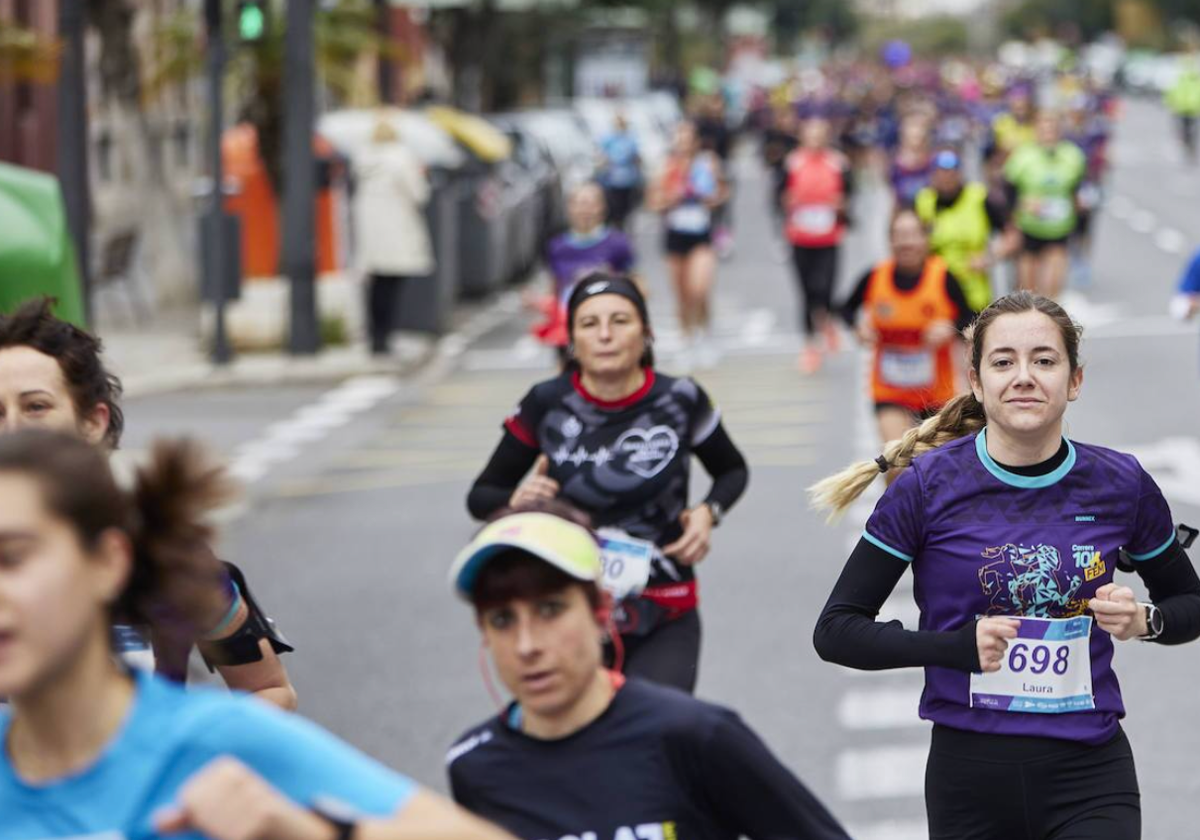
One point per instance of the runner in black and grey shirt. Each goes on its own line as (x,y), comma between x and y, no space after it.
(614,438)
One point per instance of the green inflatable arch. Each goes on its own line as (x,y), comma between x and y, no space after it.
(36,253)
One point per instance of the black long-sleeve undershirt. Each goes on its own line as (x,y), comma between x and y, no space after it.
(512,459)
(1174,588)
(848,634)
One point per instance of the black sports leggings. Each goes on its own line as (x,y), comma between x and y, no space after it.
(670,655)
(816,271)
(1001,787)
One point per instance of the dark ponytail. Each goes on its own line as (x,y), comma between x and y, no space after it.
(176,581)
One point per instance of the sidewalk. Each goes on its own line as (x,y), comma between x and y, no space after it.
(169,354)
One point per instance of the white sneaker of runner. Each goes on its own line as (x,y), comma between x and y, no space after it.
(708,352)
(685,356)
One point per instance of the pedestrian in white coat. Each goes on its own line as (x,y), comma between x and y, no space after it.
(393,243)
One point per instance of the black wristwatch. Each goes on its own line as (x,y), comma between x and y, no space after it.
(718,512)
(1154,622)
(337,815)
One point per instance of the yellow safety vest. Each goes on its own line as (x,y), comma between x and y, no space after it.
(960,233)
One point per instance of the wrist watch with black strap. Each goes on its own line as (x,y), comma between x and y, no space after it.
(717,511)
(1154,622)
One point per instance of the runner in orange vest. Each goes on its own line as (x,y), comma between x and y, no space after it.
(818,185)
(911,310)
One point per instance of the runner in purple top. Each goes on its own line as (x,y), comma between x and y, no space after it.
(1014,534)
(588,246)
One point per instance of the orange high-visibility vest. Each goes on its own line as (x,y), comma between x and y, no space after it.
(905,371)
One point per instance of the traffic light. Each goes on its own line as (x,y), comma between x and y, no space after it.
(251,20)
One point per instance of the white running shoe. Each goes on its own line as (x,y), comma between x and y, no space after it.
(708,352)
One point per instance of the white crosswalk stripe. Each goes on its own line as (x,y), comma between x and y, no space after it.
(880,708)
(881,772)
(890,830)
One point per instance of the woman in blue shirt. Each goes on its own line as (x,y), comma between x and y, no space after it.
(89,749)
(1187,301)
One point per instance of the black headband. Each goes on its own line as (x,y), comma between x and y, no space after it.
(602,283)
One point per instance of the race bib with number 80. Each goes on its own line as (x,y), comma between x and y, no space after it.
(1047,669)
(626,562)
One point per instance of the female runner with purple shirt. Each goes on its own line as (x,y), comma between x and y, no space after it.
(589,246)
(1014,533)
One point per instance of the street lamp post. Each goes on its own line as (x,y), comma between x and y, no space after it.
(299,186)
(222,351)
(71,149)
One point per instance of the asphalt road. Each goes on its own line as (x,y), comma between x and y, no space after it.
(356,507)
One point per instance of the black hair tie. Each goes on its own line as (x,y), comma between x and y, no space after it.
(883,464)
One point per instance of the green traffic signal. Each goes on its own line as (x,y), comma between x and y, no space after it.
(252,21)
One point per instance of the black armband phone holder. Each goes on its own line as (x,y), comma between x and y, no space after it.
(242,646)
(1184,534)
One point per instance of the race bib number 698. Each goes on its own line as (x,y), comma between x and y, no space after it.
(1047,669)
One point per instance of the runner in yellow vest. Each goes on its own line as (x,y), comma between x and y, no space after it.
(1183,98)
(1043,181)
(962,220)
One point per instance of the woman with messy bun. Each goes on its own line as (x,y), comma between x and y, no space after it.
(52,376)
(1013,534)
(92,747)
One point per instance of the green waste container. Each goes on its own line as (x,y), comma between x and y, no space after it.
(36,253)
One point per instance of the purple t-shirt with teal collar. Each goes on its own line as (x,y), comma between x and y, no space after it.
(985,541)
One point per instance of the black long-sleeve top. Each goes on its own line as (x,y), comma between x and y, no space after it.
(625,463)
(512,459)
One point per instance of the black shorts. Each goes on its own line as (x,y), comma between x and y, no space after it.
(1002,787)
(924,414)
(1031,244)
(668,654)
(682,244)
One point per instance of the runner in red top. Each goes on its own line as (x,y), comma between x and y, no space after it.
(818,183)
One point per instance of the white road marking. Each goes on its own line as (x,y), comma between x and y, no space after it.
(1152,326)
(281,441)
(881,773)
(757,327)
(890,830)
(1170,240)
(1143,221)
(1175,464)
(880,708)
(1087,314)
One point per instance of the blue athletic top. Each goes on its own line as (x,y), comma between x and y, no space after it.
(169,734)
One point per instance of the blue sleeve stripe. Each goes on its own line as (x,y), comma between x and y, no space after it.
(1152,554)
(878,543)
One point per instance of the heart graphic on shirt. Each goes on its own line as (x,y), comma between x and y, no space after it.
(649,450)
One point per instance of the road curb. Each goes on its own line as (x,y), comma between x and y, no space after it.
(263,370)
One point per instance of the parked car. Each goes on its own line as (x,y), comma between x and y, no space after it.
(532,155)
(568,142)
